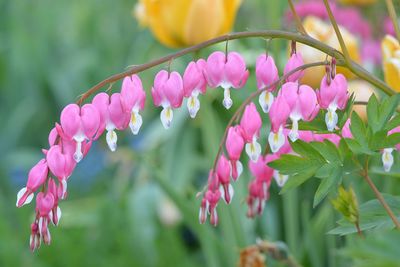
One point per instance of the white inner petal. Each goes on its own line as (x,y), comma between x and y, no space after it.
(193,105)
(280,178)
(294,132)
(112,139)
(78,152)
(239,168)
(276,140)
(266,99)
(331,119)
(166,117)
(387,159)
(227,102)
(253,149)
(135,122)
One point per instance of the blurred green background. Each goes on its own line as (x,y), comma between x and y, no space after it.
(137,206)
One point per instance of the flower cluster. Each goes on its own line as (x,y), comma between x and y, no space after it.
(292,103)
(284,102)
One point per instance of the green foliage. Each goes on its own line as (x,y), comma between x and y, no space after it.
(346,203)
(372,216)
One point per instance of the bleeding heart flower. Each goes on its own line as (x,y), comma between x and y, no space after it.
(333,96)
(58,193)
(133,98)
(234,146)
(61,165)
(303,105)
(251,124)
(168,93)
(113,116)
(36,178)
(266,74)
(295,61)
(278,114)
(44,205)
(224,175)
(80,124)
(226,71)
(194,83)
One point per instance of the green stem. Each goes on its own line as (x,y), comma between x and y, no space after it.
(352,66)
(299,25)
(337,31)
(393,17)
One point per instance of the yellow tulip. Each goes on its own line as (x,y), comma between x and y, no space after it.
(178,23)
(325,33)
(357,2)
(391,61)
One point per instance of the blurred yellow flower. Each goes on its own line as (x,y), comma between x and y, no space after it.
(178,23)
(391,61)
(325,33)
(357,2)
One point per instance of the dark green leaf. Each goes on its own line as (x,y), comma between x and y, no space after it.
(358,130)
(393,123)
(392,140)
(291,164)
(307,150)
(387,109)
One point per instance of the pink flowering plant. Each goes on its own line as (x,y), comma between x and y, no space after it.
(284,132)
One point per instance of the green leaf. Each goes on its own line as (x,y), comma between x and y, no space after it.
(372,216)
(307,150)
(393,123)
(291,164)
(387,109)
(392,140)
(377,140)
(373,113)
(328,150)
(299,178)
(358,130)
(356,148)
(327,185)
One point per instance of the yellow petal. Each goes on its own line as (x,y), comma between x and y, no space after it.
(203,22)
(231,7)
(392,74)
(389,46)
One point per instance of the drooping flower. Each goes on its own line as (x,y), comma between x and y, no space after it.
(261,171)
(44,205)
(210,200)
(251,125)
(258,194)
(57,193)
(194,83)
(226,71)
(80,124)
(387,157)
(280,178)
(61,164)
(266,74)
(224,175)
(302,102)
(278,114)
(295,61)
(133,99)
(36,178)
(183,23)
(234,146)
(34,240)
(333,96)
(391,61)
(113,116)
(167,92)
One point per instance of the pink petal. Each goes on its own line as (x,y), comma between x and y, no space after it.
(90,120)
(70,120)
(214,71)
(118,115)
(308,102)
(173,89)
(235,70)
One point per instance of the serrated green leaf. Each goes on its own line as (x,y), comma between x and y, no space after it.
(327,184)
(299,178)
(373,113)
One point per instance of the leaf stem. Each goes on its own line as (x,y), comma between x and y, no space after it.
(393,17)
